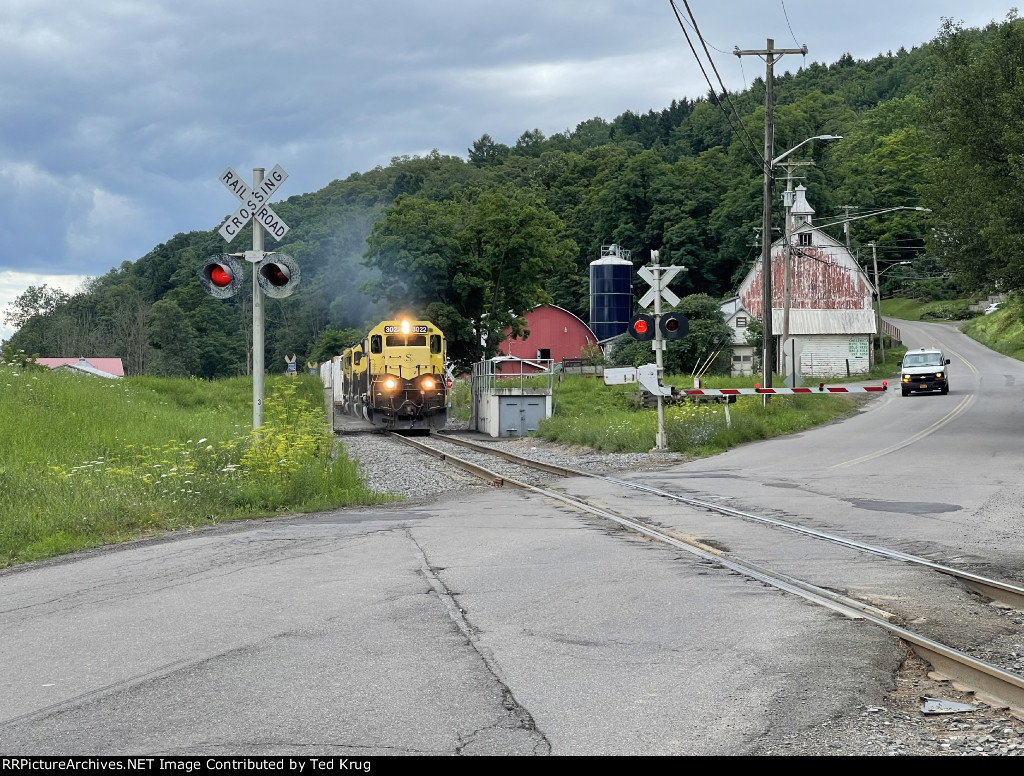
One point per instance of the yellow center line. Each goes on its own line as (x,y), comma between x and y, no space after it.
(963,405)
(969,365)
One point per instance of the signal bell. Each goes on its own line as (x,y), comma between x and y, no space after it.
(674,326)
(278,275)
(221,276)
(641,327)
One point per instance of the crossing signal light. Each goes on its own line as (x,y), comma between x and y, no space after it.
(278,275)
(221,276)
(674,326)
(641,327)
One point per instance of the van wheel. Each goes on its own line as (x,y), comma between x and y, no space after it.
(945,390)
(905,392)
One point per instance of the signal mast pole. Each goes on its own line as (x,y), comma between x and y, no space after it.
(258,354)
(771,55)
(660,442)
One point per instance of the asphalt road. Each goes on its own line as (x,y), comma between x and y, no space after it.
(503,623)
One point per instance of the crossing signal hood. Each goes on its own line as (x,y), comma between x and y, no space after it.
(641,327)
(674,326)
(221,276)
(278,275)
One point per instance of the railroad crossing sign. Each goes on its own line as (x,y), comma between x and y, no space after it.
(254,204)
(659,286)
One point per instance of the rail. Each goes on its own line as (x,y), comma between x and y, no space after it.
(994,684)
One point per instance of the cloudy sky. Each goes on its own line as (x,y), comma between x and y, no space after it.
(117,117)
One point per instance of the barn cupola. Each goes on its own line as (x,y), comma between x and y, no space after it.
(802,212)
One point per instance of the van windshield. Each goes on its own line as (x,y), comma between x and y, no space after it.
(922,359)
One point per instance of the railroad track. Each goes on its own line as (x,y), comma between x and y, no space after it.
(990,683)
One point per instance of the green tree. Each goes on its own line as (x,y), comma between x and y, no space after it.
(332,342)
(978,176)
(35,300)
(707,346)
(472,265)
(172,341)
(487,153)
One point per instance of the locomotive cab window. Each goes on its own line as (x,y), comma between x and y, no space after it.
(435,343)
(405,341)
(376,343)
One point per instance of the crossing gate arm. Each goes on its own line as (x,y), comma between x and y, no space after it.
(820,390)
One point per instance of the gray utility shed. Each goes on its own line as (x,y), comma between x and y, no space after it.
(511,396)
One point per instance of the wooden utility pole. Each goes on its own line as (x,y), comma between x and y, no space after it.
(846,225)
(771,55)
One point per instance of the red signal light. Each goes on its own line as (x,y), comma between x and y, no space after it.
(641,327)
(674,326)
(219,277)
(278,275)
(274,275)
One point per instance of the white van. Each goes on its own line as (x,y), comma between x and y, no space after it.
(924,370)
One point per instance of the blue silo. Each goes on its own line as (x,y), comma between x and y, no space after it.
(611,292)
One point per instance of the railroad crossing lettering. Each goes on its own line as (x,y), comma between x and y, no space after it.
(254,204)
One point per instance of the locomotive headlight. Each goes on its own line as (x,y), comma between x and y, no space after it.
(405,327)
(428,383)
(390,383)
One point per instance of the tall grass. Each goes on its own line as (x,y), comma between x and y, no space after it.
(610,418)
(86,461)
(1003,330)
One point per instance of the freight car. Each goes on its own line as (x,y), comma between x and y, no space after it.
(394,378)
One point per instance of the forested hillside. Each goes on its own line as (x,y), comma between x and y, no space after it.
(473,242)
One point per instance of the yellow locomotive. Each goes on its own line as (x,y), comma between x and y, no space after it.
(395,377)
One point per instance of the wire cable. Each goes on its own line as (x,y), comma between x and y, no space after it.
(717,74)
(741,133)
(786,14)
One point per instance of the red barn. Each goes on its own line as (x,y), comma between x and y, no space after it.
(555,334)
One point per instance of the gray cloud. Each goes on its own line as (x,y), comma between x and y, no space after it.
(118,116)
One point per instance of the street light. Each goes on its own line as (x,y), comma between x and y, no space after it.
(778,159)
(845,221)
(788,197)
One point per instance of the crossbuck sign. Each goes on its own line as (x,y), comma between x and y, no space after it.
(254,204)
(659,285)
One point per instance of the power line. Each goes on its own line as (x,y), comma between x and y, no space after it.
(717,74)
(741,133)
(720,51)
(786,14)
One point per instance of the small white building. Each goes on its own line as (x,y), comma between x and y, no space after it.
(831,322)
(737,317)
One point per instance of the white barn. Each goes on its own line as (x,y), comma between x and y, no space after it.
(831,321)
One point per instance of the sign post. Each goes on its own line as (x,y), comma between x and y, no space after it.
(659,277)
(254,207)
